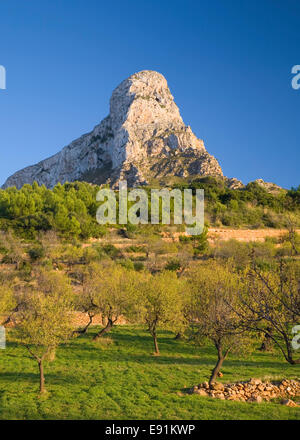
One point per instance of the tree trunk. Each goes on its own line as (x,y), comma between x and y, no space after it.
(104,330)
(85,329)
(267,343)
(221,359)
(216,370)
(155,344)
(42,377)
(289,357)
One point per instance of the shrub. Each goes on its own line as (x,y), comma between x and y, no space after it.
(134,248)
(173,265)
(138,266)
(36,253)
(127,263)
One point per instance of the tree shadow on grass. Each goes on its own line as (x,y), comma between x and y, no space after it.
(142,342)
(129,347)
(204,357)
(33,378)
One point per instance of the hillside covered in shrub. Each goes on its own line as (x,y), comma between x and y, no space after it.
(70,209)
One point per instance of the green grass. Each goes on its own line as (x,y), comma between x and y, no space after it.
(122,380)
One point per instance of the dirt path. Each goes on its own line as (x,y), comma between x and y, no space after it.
(214,234)
(244,234)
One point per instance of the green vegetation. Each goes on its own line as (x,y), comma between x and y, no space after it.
(253,206)
(159,304)
(213,311)
(218,310)
(44,318)
(227,306)
(122,380)
(70,209)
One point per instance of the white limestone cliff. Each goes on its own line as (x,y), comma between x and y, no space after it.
(143,137)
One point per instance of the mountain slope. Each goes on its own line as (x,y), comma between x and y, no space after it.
(143,137)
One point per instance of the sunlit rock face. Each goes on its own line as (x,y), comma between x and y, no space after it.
(142,138)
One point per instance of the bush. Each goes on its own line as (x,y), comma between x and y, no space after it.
(111,250)
(138,266)
(232,249)
(90,254)
(129,231)
(127,263)
(136,249)
(173,265)
(25,269)
(36,253)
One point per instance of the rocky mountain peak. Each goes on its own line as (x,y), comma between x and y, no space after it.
(143,98)
(143,138)
(268,186)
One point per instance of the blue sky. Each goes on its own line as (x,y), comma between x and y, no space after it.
(228,64)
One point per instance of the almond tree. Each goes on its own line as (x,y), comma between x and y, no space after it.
(213,295)
(44,319)
(84,299)
(160,304)
(107,289)
(8,303)
(272,304)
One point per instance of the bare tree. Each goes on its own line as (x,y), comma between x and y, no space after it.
(271,305)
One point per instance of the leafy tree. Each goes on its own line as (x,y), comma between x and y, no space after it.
(7,303)
(210,309)
(107,289)
(160,304)
(199,242)
(44,319)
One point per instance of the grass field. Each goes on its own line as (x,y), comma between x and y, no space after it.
(122,380)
